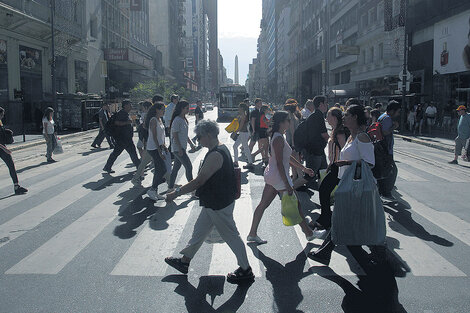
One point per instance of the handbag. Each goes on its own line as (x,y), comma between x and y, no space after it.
(290,210)
(233,126)
(358,215)
(234,136)
(58,146)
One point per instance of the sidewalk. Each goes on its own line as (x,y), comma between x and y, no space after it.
(38,139)
(433,142)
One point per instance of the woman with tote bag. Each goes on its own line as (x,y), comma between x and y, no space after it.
(358,215)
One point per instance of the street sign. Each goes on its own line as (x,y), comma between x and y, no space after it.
(400,85)
(409,77)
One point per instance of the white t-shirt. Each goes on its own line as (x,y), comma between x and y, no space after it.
(356,150)
(153,143)
(49,129)
(431,111)
(168,113)
(180,129)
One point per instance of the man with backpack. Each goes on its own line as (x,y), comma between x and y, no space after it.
(388,125)
(103,117)
(120,127)
(312,136)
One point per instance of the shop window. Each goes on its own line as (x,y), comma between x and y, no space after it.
(337,78)
(81,76)
(93,27)
(346,77)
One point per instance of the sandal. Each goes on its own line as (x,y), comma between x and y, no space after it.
(178,264)
(241,276)
(256,239)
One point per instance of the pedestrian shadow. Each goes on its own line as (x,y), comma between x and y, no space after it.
(400,213)
(92,151)
(377,291)
(27,168)
(159,220)
(284,279)
(196,298)
(107,182)
(133,216)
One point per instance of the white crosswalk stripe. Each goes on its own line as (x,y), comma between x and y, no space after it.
(164,233)
(146,255)
(28,220)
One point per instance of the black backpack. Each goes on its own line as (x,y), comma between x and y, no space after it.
(110,126)
(301,136)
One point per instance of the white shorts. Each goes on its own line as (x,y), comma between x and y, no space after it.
(275,180)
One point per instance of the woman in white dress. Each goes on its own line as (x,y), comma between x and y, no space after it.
(276,175)
(49,133)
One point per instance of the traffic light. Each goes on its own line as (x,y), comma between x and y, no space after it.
(18,94)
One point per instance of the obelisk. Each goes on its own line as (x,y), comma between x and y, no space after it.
(236,70)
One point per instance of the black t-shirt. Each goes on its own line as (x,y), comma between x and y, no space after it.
(198,113)
(124,132)
(315,127)
(255,115)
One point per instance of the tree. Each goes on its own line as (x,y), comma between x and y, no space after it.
(146,90)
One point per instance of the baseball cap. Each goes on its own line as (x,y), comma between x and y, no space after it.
(462,107)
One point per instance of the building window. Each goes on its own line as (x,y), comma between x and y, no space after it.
(365,20)
(81,76)
(380,11)
(337,78)
(93,27)
(363,56)
(371,54)
(373,15)
(61,74)
(346,77)
(381,51)
(3,71)
(395,7)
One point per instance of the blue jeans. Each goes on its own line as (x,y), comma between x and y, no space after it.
(181,160)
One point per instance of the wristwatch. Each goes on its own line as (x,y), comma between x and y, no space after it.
(177,190)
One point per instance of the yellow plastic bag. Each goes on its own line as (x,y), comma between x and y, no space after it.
(233,126)
(290,210)
(323,174)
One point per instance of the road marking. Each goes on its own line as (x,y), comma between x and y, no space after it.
(51,181)
(441,173)
(146,255)
(420,258)
(57,252)
(408,176)
(30,219)
(450,223)
(223,260)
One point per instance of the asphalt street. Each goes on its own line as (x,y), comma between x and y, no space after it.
(85,241)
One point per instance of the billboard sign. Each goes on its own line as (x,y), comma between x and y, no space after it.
(119,54)
(452,44)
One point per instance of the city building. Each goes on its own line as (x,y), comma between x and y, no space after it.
(283,52)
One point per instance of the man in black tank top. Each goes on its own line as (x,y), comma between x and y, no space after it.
(216,188)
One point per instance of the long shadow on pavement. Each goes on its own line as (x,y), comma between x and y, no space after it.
(27,168)
(195,298)
(284,279)
(92,151)
(99,185)
(377,291)
(400,212)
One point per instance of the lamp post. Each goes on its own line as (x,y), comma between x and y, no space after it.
(53,56)
(405,69)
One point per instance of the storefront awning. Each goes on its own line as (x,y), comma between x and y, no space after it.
(128,59)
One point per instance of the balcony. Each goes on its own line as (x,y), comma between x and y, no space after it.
(343,61)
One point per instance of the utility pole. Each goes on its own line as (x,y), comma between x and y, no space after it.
(53,56)
(405,69)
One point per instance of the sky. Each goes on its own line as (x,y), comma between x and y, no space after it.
(238,28)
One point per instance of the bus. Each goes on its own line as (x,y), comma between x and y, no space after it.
(229,99)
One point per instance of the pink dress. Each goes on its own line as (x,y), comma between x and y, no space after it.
(271,173)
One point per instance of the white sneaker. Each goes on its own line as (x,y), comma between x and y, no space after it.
(317,233)
(153,194)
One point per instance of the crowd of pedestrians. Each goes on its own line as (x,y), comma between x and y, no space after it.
(292,144)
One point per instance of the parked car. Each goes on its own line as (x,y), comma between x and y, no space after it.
(209,106)
(192,108)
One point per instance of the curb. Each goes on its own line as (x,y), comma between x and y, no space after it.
(439,146)
(38,142)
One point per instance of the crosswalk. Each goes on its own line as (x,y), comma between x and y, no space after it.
(169,228)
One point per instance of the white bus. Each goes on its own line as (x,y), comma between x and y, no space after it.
(229,99)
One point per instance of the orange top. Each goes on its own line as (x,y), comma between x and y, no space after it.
(262,123)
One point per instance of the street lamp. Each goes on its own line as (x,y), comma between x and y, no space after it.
(53,56)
